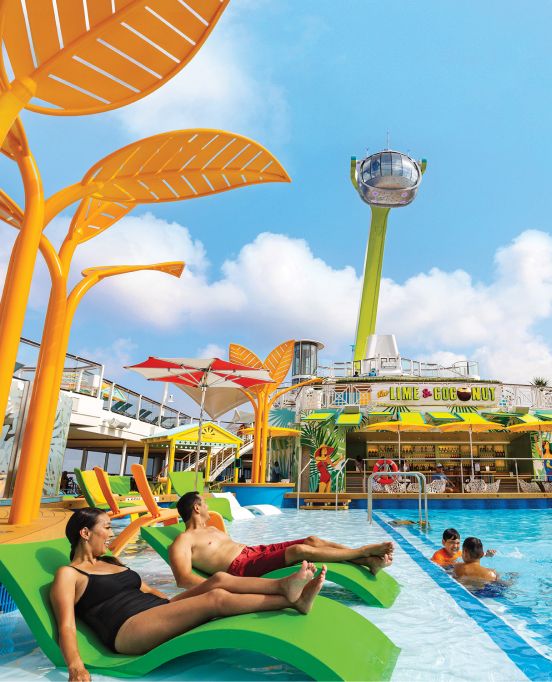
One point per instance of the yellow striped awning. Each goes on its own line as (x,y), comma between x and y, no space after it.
(318,416)
(411,419)
(349,419)
(442,416)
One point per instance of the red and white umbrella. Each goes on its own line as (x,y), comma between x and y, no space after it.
(201,374)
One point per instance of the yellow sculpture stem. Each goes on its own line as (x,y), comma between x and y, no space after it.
(12,102)
(59,201)
(265,424)
(256,459)
(20,273)
(29,477)
(35,450)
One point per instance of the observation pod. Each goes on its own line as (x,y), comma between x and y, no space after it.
(388,179)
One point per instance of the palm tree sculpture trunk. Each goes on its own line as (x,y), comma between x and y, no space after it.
(278,363)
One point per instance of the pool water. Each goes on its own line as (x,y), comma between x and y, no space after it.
(523,541)
(439,637)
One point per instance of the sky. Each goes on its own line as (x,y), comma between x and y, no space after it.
(467,271)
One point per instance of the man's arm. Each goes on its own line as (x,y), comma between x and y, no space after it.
(180,557)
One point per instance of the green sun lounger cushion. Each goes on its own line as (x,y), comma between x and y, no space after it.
(379,590)
(185,482)
(120,485)
(358,650)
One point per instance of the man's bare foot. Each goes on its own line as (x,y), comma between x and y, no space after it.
(380,549)
(376,563)
(310,591)
(292,585)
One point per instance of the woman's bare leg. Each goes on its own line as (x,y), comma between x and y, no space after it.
(148,629)
(289,587)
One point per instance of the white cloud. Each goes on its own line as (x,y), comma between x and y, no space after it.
(222,87)
(276,288)
(212,350)
(114,356)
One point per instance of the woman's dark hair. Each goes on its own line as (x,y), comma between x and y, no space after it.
(450,534)
(87,517)
(186,503)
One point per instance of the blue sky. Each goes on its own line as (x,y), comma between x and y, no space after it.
(468,266)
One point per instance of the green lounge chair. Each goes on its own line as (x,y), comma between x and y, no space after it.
(184,482)
(120,485)
(380,590)
(331,643)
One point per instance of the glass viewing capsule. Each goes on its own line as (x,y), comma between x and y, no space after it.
(388,179)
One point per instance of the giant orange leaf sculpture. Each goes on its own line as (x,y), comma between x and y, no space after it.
(88,56)
(94,216)
(182,164)
(279,361)
(243,356)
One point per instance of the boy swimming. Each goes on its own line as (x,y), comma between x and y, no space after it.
(469,569)
(450,553)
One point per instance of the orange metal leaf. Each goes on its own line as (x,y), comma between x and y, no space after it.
(244,356)
(93,216)
(182,164)
(279,361)
(84,57)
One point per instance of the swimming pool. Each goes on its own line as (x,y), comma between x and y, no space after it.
(441,633)
(523,542)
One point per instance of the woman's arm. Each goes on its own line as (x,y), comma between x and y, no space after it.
(62,597)
(144,587)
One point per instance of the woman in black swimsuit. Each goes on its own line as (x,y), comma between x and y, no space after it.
(130,617)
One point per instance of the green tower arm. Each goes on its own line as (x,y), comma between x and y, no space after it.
(366,324)
(371,283)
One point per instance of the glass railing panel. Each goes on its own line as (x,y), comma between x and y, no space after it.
(149,411)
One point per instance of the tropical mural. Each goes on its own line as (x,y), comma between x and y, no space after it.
(326,444)
(541,451)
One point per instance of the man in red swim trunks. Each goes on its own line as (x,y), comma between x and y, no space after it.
(210,550)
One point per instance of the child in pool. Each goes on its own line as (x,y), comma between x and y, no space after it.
(451,549)
(469,569)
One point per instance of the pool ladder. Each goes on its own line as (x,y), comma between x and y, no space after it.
(422,486)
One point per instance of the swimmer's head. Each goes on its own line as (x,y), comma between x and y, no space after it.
(472,549)
(190,504)
(451,540)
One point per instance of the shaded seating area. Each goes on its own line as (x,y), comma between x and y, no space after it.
(285,635)
(178,448)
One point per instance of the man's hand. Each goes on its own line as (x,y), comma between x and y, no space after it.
(490,552)
(78,673)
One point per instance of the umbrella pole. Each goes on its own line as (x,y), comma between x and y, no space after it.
(203,392)
(399,435)
(471,453)
(541,453)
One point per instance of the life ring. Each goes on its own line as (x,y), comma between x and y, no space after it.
(385,465)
